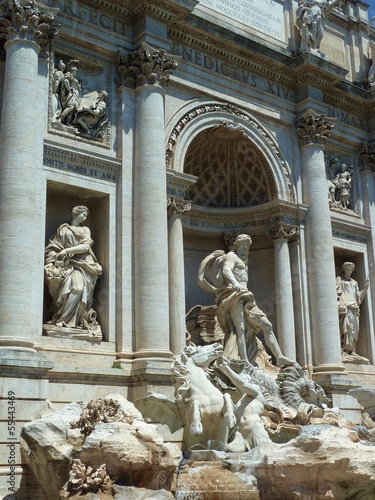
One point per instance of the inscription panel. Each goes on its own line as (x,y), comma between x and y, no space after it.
(265,16)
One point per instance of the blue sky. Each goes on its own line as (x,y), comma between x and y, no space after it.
(371,10)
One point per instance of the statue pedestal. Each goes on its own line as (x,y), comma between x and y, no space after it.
(94,335)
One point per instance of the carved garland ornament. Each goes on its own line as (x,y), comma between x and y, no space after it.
(145,66)
(282,232)
(177,206)
(234,111)
(314,129)
(27,22)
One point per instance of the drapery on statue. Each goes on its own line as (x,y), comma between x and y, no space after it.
(310,21)
(71,271)
(349,300)
(226,276)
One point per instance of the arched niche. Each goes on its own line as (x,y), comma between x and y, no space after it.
(197,122)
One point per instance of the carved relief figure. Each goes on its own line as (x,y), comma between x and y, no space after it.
(339,185)
(70,96)
(71,272)
(343,183)
(57,78)
(226,275)
(90,119)
(310,21)
(73,110)
(349,300)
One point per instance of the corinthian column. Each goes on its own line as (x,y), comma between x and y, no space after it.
(176,208)
(147,71)
(281,235)
(26,28)
(313,131)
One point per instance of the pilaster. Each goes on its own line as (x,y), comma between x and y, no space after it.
(281,235)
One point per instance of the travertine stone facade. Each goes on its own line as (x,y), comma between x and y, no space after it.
(182,121)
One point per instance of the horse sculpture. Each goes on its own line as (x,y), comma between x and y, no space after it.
(209,416)
(206,415)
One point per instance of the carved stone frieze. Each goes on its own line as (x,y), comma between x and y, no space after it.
(27,20)
(176,206)
(313,128)
(145,66)
(283,232)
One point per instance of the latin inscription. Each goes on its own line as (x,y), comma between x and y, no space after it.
(265,16)
(89,15)
(347,118)
(241,75)
(79,169)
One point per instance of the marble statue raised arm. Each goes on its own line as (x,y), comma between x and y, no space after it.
(226,276)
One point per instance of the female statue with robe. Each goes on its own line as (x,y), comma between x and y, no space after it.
(71,272)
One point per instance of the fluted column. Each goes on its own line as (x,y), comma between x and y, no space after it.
(313,130)
(147,71)
(281,235)
(176,208)
(26,29)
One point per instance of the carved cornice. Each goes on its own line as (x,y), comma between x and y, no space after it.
(176,206)
(282,232)
(248,56)
(343,100)
(241,220)
(350,231)
(367,157)
(145,66)
(159,9)
(311,69)
(313,128)
(32,21)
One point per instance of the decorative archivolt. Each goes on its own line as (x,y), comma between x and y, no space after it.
(255,142)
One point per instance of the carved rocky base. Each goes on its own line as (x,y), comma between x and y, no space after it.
(354,358)
(94,334)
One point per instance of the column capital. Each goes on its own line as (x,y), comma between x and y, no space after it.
(314,128)
(145,66)
(27,21)
(282,232)
(176,206)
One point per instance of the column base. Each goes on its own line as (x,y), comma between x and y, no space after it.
(329,368)
(18,359)
(11,341)
(337,387)
(152,354)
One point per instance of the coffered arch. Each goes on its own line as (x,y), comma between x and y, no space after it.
(235,156)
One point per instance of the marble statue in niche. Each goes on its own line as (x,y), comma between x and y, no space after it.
(74,110)
(311,15)
(226,276)
(349,299)
(71,271)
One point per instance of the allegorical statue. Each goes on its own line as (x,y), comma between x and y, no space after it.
(226,276)
(310,21)
(71,271)
(349,300)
